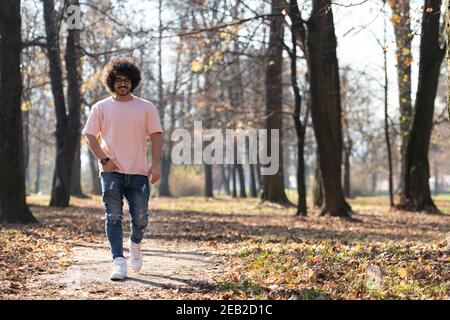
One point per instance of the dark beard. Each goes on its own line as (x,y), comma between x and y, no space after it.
(127,92)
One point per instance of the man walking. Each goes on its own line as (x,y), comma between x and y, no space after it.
(124,121)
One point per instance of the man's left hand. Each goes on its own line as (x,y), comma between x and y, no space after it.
(154,174)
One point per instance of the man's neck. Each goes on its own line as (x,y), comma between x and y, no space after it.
(119,98)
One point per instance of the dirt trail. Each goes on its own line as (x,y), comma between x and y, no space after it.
(169,267)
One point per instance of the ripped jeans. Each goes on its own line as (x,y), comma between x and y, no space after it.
(136,189)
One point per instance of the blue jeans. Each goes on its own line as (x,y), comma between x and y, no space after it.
(136,189)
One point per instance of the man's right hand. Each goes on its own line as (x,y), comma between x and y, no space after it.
(109,166)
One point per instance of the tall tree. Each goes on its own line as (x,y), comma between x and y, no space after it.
(401,20)
(417,188)
(208,168)
(233,178)
(26,124)
(237,98)
(317,192)
(253,189)
(447,31)
(72,58)
(300,127)
(67,125)
(13,207)
(404,109)
(37,181)
(348,141)
(274,184)
(96,182)
(164,183)
(75,181)
(326,105)
(165,157)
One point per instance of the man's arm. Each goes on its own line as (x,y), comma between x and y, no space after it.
(94,146)
(154,170)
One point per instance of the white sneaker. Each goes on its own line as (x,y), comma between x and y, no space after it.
(135,256)
(120,269)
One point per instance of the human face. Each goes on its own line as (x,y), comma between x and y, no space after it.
(122,85)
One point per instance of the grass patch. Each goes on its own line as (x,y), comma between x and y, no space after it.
(333,270)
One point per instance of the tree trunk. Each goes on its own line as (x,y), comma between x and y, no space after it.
(418,197)
(26,142)
(37,182)
(73,58)
(225,180)
(237,99)
(208,167)
(403,110)
(164,189)
(447,31)
(96,183)
(301,186)
(274,184)
(75,188)
(326,105)
(374,181)
(242,191)
(347,153)
(67,127)
(436,178)
(13,207)
(233,177)
(165,173)
(401,21)
(253,190)
(166,163)
(26,126)
(318,187)
(259,177)
(208,181)
(300,131)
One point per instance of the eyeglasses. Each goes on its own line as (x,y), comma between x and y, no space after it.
(124,81)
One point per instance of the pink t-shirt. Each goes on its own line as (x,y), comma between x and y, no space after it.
(124,128)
